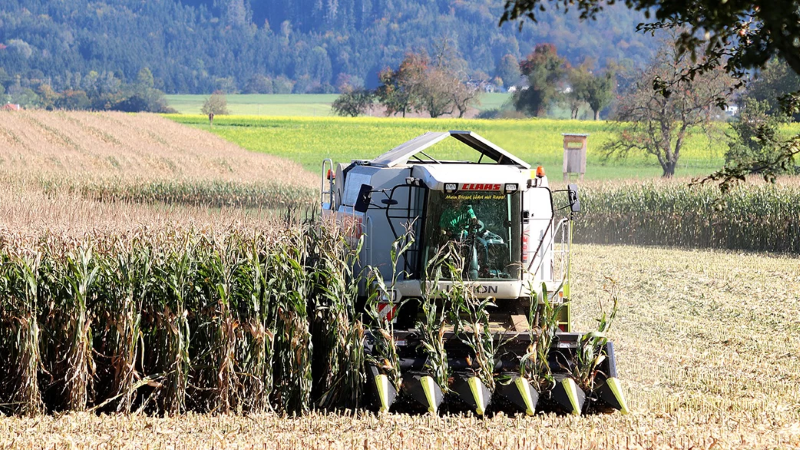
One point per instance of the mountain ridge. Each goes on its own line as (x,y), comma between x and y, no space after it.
(197,46)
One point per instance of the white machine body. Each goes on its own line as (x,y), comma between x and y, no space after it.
(517,241)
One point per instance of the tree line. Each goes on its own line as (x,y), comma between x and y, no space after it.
(646,120)
(550,79)
(439,86)
(96,91)
(241,46)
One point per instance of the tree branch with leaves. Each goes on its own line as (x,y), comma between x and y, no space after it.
(734,35)
(663,107)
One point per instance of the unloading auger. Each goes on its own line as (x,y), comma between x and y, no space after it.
(500,310)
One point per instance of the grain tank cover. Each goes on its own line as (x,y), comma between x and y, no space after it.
(401,154)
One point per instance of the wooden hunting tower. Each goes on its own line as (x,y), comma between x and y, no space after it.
(575,154)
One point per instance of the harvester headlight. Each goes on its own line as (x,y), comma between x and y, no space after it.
(386,296)
(511,187)
(450,187)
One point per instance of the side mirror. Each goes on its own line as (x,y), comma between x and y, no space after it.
(364,198)
(574,201)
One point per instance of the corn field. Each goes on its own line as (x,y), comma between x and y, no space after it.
(755,217)
(201,193)
(142,270)
(704,354)
(178,320)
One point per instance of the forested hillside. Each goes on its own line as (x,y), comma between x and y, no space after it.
(197,46)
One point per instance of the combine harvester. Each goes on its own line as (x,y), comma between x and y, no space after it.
(502,216)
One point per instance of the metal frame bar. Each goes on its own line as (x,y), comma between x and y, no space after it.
(329,163)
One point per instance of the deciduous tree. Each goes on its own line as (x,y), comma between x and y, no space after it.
(73,100)
(755,136)
(657,125)
(437,87)
(400,90)
(545,71)
(47,96)
(144,79)
(465,96)
(508,70)
(736,35)
(776,80)
(578,78)
(217,104)
(353,102)
(598,91)
(259,84)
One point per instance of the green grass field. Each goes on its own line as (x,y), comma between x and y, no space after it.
(308,105)
(492,101)
(538,141)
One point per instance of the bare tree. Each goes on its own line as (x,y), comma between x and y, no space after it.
(465,96)
(437,86)
(665,104)
(449,75)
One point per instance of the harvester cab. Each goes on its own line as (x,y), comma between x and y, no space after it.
(513,249)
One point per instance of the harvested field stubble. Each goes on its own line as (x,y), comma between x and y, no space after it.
(135,146)
(707,348)
(141,158)
(342,432)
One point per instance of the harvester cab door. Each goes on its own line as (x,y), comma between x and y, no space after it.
(386,207)
(404,207)
(537,240)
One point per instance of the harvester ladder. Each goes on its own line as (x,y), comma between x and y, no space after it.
(561,252)
(327,162)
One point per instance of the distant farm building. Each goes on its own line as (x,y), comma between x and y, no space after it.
(11,107)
